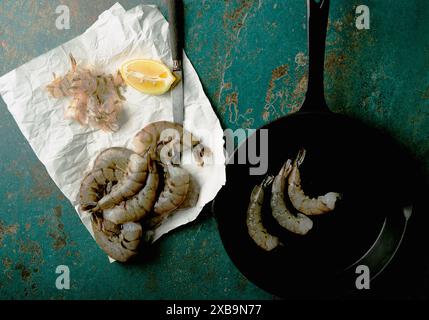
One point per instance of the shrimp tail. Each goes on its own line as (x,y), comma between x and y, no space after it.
(286,168)
(267,181)
(300,157)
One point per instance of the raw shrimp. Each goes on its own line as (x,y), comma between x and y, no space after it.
(139,206)
(299,224)
(159,133)
(200,152)
(174,194)
(167,139)
(119,242)
(115,158)
(193,194)
(302,202)
(254,220)
(132,182)
(109,167)
(90,191)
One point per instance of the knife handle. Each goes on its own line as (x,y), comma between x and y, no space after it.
(175,18)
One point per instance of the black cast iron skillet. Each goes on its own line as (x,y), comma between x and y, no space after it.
(344,155)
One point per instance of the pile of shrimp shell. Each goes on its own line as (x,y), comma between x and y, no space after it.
(300,223)
(96,100)
(130,192)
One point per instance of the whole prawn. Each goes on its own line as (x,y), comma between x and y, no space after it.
(109,167)
(302,202)
(137,207)
(257,231)
(167,139)
(174,194)
(299,224)
(132,182)
(120,242)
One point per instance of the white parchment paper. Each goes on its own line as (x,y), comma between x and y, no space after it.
(68,150)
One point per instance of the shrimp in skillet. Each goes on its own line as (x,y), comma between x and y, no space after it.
(302,202)
(256,230)
(299,224)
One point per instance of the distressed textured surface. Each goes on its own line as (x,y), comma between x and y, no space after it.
(251,57)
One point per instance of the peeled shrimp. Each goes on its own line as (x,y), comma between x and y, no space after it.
(109,168)
(254,220)
(119,242)
(299,224)
(302,202)
(168,139)
(132,182)
(136,208)
(174,194)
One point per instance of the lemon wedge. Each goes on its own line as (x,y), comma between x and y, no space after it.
(147,76)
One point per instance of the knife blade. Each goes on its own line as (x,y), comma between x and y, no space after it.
(175,17)
(177,97)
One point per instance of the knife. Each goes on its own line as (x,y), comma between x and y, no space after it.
(175,17)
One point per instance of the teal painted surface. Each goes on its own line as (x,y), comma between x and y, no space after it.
(251,58)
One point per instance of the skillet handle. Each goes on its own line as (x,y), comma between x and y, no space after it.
(317,15)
